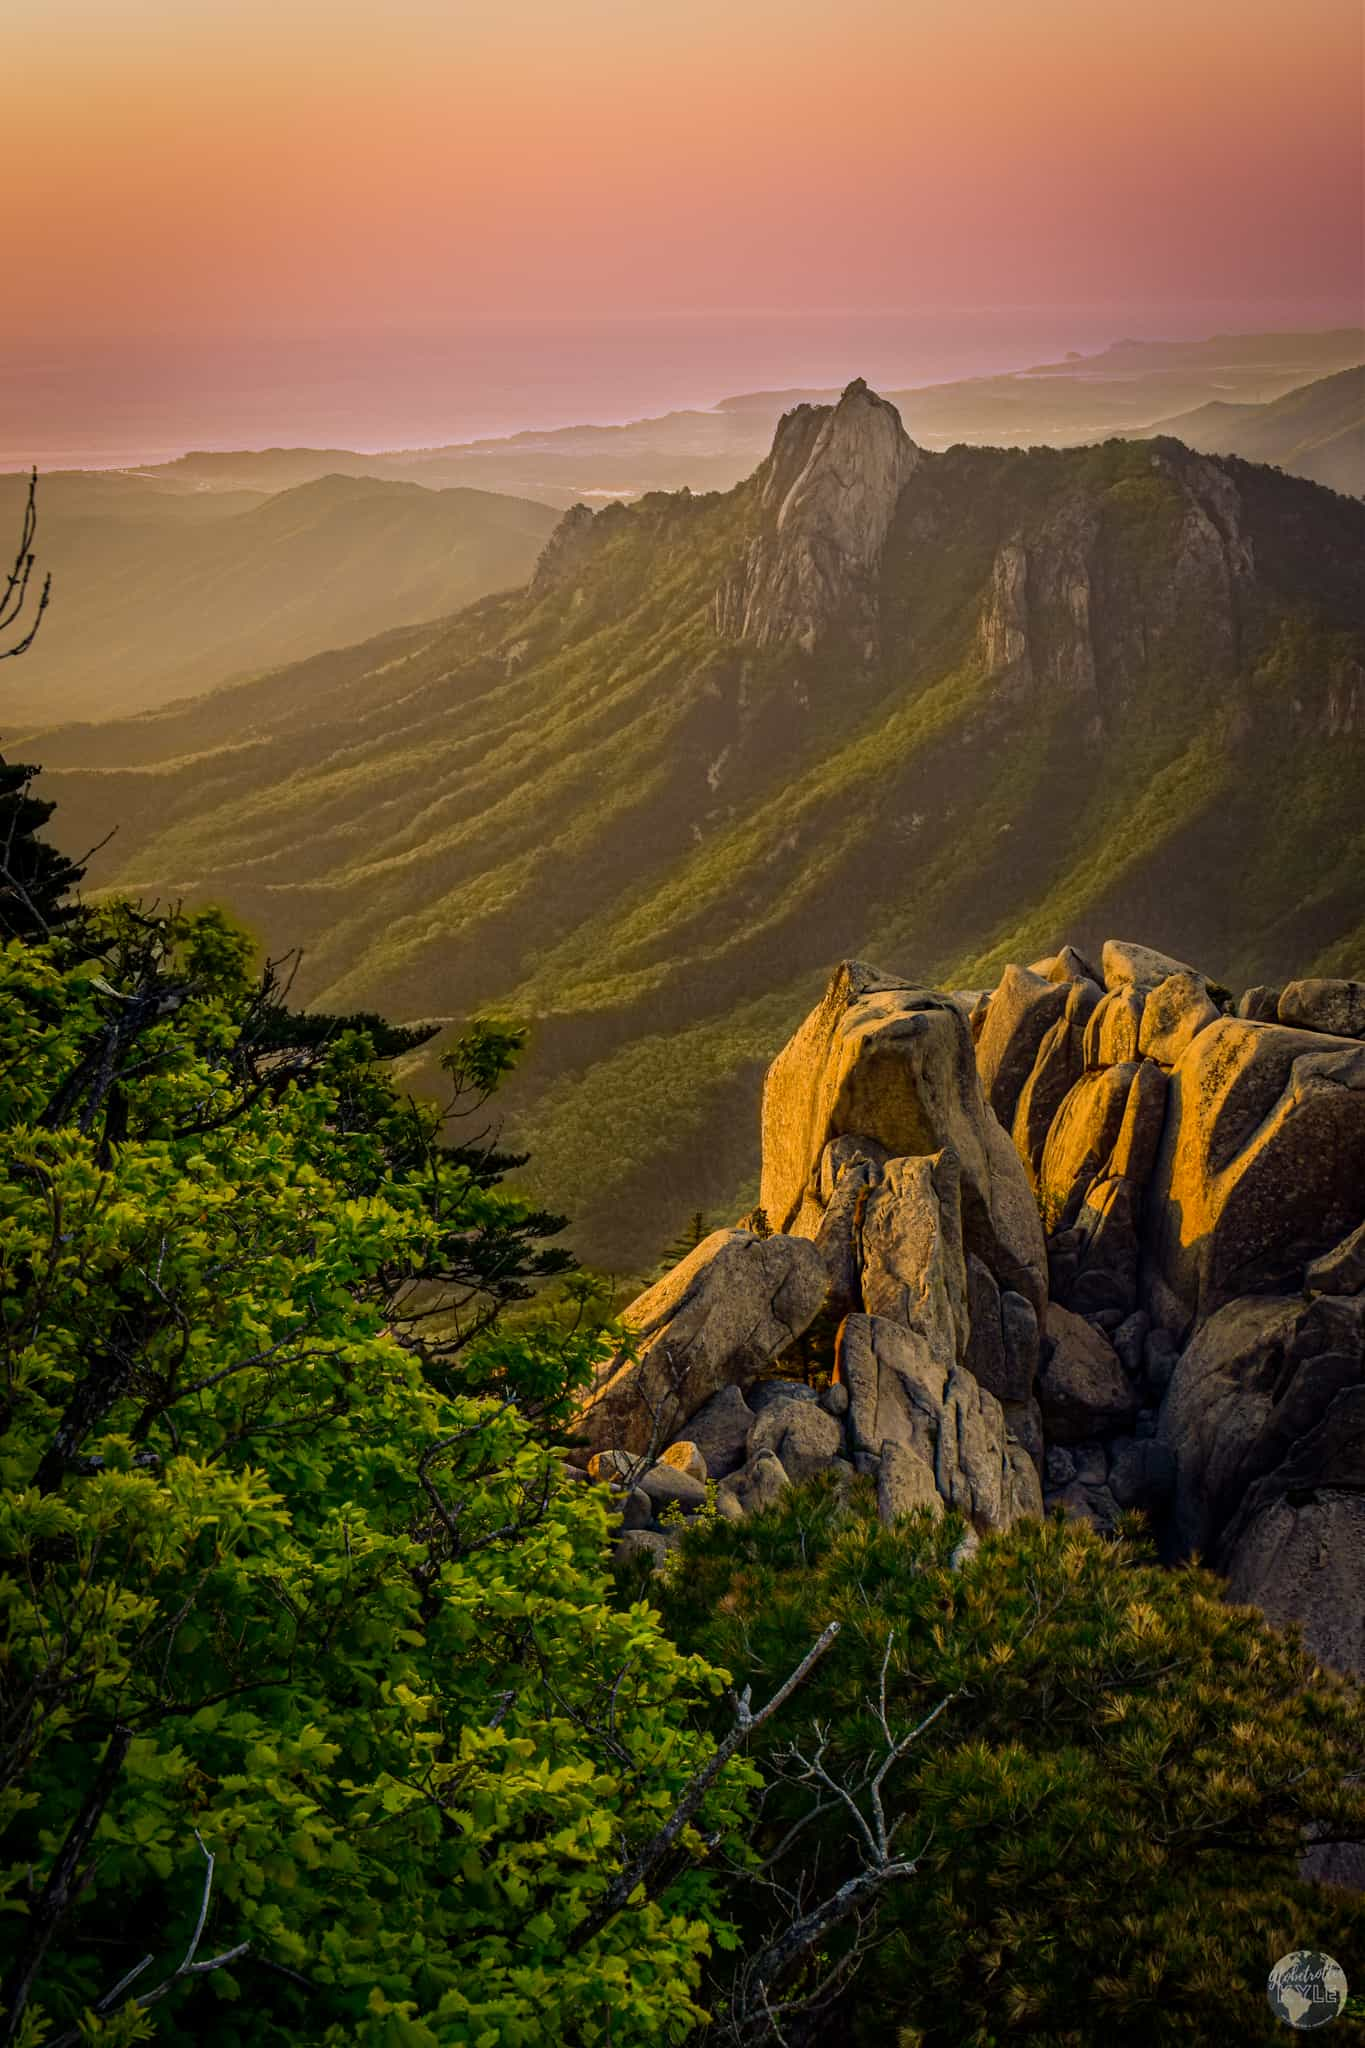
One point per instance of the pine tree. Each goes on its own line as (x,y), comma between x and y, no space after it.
(1055,1793)
(686,1241)
(35,879)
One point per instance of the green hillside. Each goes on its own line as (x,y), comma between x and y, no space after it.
(162,591)
(1317,431)
(1112,688)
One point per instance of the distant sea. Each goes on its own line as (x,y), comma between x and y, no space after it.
(74,403)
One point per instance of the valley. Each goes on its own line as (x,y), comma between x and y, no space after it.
(935,716)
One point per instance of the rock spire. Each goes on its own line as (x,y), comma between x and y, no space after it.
(827,495)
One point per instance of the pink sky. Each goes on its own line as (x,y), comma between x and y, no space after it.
(239,167)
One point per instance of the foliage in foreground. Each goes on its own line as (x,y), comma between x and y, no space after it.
(1107,1812)
(291,1583)
(279,1589)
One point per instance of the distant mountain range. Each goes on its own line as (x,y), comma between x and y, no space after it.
(1317,431)
(933,709)
(1081,398)
(161,592)
(172,579)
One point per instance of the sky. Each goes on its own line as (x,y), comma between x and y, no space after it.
(241,169)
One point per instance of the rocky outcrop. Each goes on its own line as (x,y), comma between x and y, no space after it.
(1187,1341)
(1054,623)
(1337,1007)
(1023,1010)
(801,1433)
(826,498)
(1202,1184)
(1265,1420)
(913,1269)
(1115,1025)
(1174,1014)
(1303,1562)
(720,1430)
(1127,965)
(1081,1141)
(1083,1390)
(882,1061)
(904,1402)
(1340,1271)
(717,1320)
(1261,1167)
(907,1219)
(1004,628)
(1245,1403)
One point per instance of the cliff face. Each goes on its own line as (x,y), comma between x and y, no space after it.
(1087,603)
(826,498)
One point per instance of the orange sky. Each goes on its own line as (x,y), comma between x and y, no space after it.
(272,166)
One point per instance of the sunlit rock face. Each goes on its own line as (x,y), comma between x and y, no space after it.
(827,496)
(1202,1185)
(882,1061)
(1261,1168)
(1049,1245)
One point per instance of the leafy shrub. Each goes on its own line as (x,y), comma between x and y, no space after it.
(288,1583)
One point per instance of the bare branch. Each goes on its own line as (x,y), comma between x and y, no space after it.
(189,1966)
(757,2009)
(14,595)
(646,1864)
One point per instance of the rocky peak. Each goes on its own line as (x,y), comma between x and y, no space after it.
(827,495)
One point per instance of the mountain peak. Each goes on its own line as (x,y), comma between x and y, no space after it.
(827,495)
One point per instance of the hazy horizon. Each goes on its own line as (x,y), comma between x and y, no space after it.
(457,221)
(117,402)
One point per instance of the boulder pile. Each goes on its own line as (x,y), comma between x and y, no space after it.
(1093,1239)
(901,1264)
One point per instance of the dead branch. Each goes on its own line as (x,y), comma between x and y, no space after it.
(63,1884)
(14,594)
(758,2008)
(645,1865)
(189,1966)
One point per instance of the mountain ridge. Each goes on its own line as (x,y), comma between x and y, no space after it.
(158,594)
(1121,684)
(1316,430)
